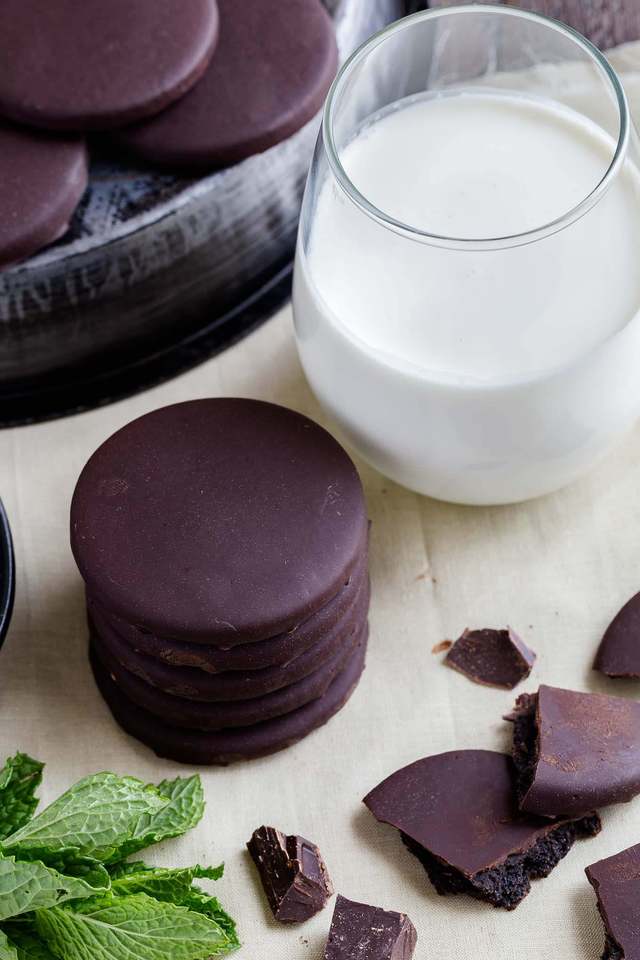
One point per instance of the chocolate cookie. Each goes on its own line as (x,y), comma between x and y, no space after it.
(575,751)
(196,715)
(458,815)
(619,652)
(224,520)
(41,182)
(272,70)
(276,651)
(616,882)
(94,65)
(227,746)
(193,684)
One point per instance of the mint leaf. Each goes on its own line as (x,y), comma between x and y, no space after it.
(161,882)
(27,886)
(176,886)
(7,949)
(19,779)
(128,928)
(95,818)
(183,812)
(199,901)
(27,944)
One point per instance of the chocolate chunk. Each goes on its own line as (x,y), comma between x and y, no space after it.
(575,751)
(293,874)
(619,652)
(369,933)
(616,882)
(495,658)
(458,815)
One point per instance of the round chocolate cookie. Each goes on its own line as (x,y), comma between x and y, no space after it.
(196,715)
(276,651)
(41,182)
(224,520)
(270,75)
(241,743)
(193,684)
(94,65)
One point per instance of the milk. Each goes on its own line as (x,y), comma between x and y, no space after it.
(475,375)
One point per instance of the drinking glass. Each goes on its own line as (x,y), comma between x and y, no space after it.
(484,367)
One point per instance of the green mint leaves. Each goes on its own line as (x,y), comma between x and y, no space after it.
(66,890)
(95,818)
(27,886)
(184,811)
(129,928)
(19,779)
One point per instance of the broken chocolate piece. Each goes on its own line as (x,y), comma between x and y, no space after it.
(619,652)
(616,882)
(369,933)
(292,872)
(575,752)
(495,658)
(457,814)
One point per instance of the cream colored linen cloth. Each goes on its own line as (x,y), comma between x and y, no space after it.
(556,569)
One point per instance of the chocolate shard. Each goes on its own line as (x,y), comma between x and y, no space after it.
(619,651)
(458,815)
(575,752)
(495,658)
(369,933)
(616,882)
(293,874)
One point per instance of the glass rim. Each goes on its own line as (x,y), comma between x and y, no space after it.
(478,243)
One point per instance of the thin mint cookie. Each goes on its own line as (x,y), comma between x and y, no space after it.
(41,182)
(94,65)
(225,521)
(271,73)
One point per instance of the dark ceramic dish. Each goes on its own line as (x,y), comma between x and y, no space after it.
(7,574)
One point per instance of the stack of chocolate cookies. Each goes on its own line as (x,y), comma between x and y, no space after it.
(223,544)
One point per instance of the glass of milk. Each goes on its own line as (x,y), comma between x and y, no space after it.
(467,282)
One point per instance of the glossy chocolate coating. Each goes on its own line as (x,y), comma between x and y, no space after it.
(583,751)
(271,72)
(41,182)
(235,685)
(93,65)
(275,651)
(619,652)
(197,715)
(293,874)
(494,658)
(616,882)
(457,812)
(223,520)
(369,933)
(227,746)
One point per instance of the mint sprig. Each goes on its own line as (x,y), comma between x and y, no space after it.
(19,779)
(66,890)
(27,886)
(95,818)
(129,928)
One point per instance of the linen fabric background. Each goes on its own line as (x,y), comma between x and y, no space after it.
(556,569)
